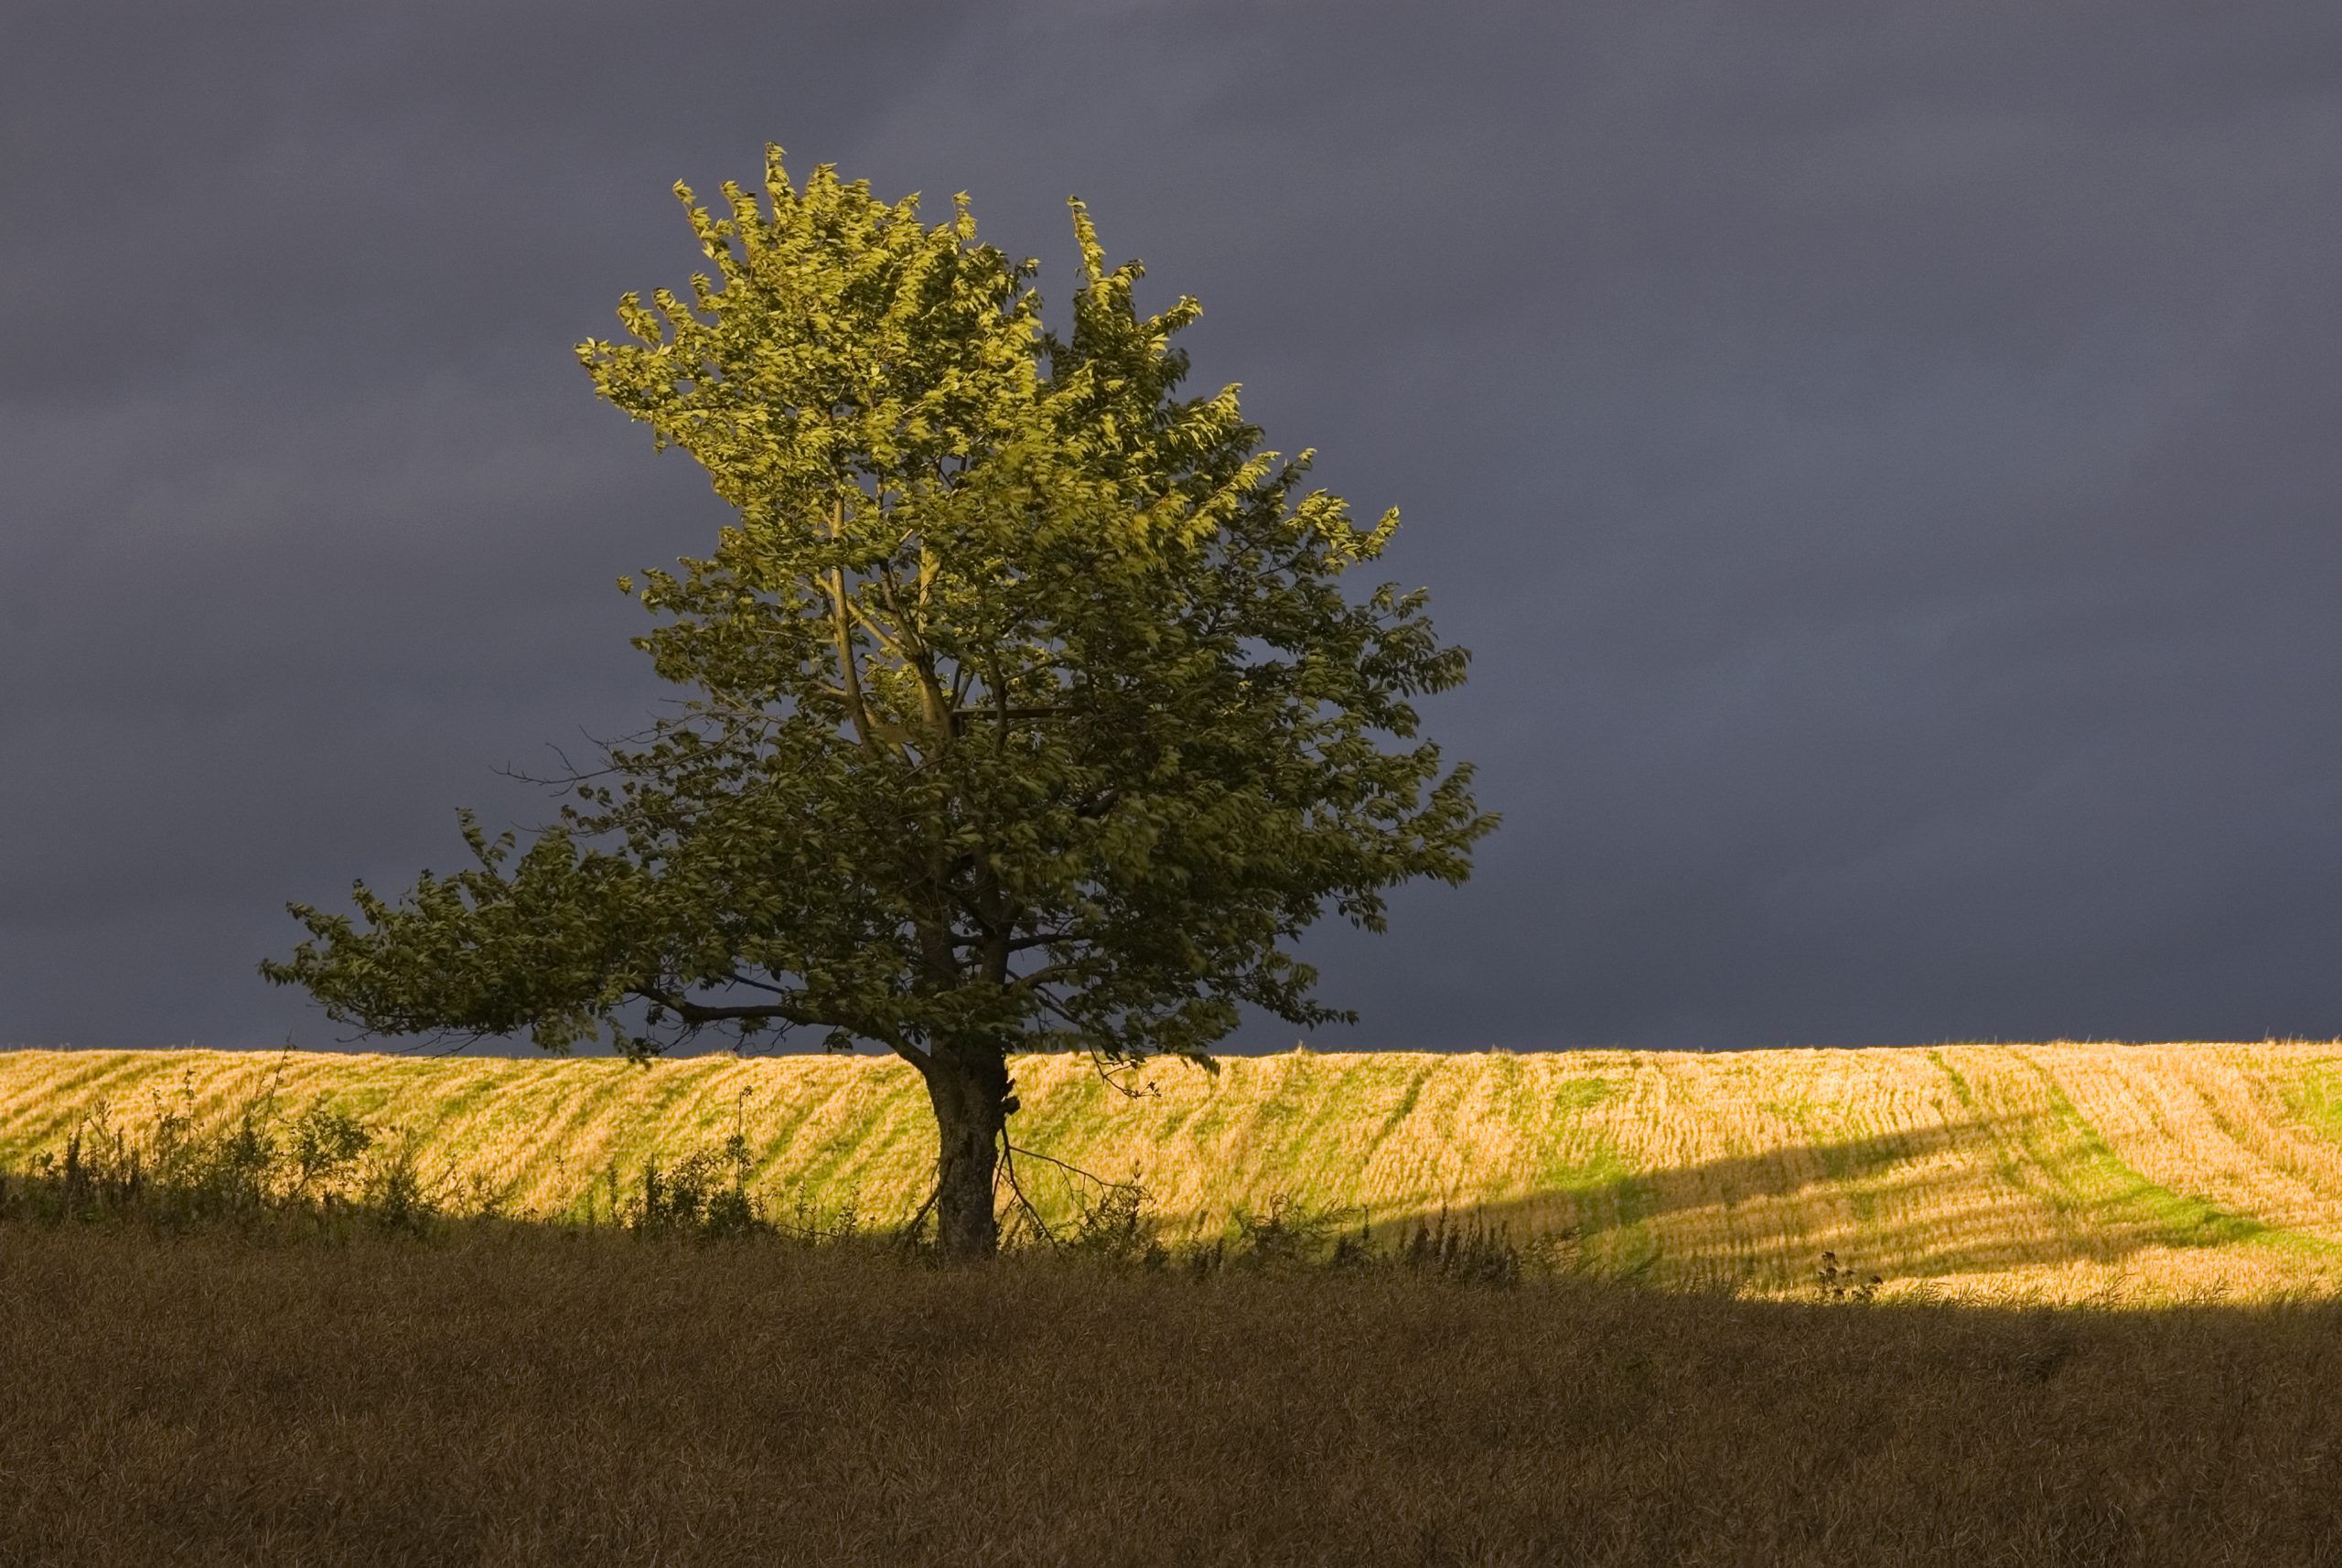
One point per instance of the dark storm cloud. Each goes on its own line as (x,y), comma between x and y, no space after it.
(1882,457)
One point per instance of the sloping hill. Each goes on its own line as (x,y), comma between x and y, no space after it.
(2065,1170)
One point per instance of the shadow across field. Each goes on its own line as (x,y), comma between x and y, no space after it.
(213,1399)
(1963,1198)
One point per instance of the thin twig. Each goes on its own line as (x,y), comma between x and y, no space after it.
(1062,1165)
(1008,1166)
(1106,1076)
(908,1235)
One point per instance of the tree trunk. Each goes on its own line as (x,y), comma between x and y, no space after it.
(969,1088)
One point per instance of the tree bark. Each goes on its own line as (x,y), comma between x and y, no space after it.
(969,1088)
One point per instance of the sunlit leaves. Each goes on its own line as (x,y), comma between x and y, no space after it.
(1024,700)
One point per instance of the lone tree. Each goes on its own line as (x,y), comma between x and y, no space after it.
(1028,712)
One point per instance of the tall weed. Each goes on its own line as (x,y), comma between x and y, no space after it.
(252,1164)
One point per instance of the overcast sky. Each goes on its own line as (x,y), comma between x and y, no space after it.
(1884,461)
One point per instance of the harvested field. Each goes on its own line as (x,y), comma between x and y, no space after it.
(2057,1172)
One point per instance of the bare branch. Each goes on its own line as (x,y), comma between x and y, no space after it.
(1002,713)
(842,634)
(1067,1166)
(907,1236)
(1047,974)
(1020,944)
(734,979)
(1009,1168)
(697,1014)
(888,640)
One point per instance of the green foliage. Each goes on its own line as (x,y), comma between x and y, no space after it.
(249,1167)
(326,1143)
(1027,704)
(1028,710)
(705,1193)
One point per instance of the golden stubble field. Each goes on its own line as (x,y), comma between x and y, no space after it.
(2059,1172)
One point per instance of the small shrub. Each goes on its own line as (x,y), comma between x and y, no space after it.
(326,1145)
(1287,1233)
(705,1194)
(1118,1227)
(1837,1281)
(393,1193)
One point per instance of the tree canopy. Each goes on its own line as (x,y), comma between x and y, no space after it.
(1025,708)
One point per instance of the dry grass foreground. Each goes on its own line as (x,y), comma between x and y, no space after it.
(519,1395)
(2056,1172)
